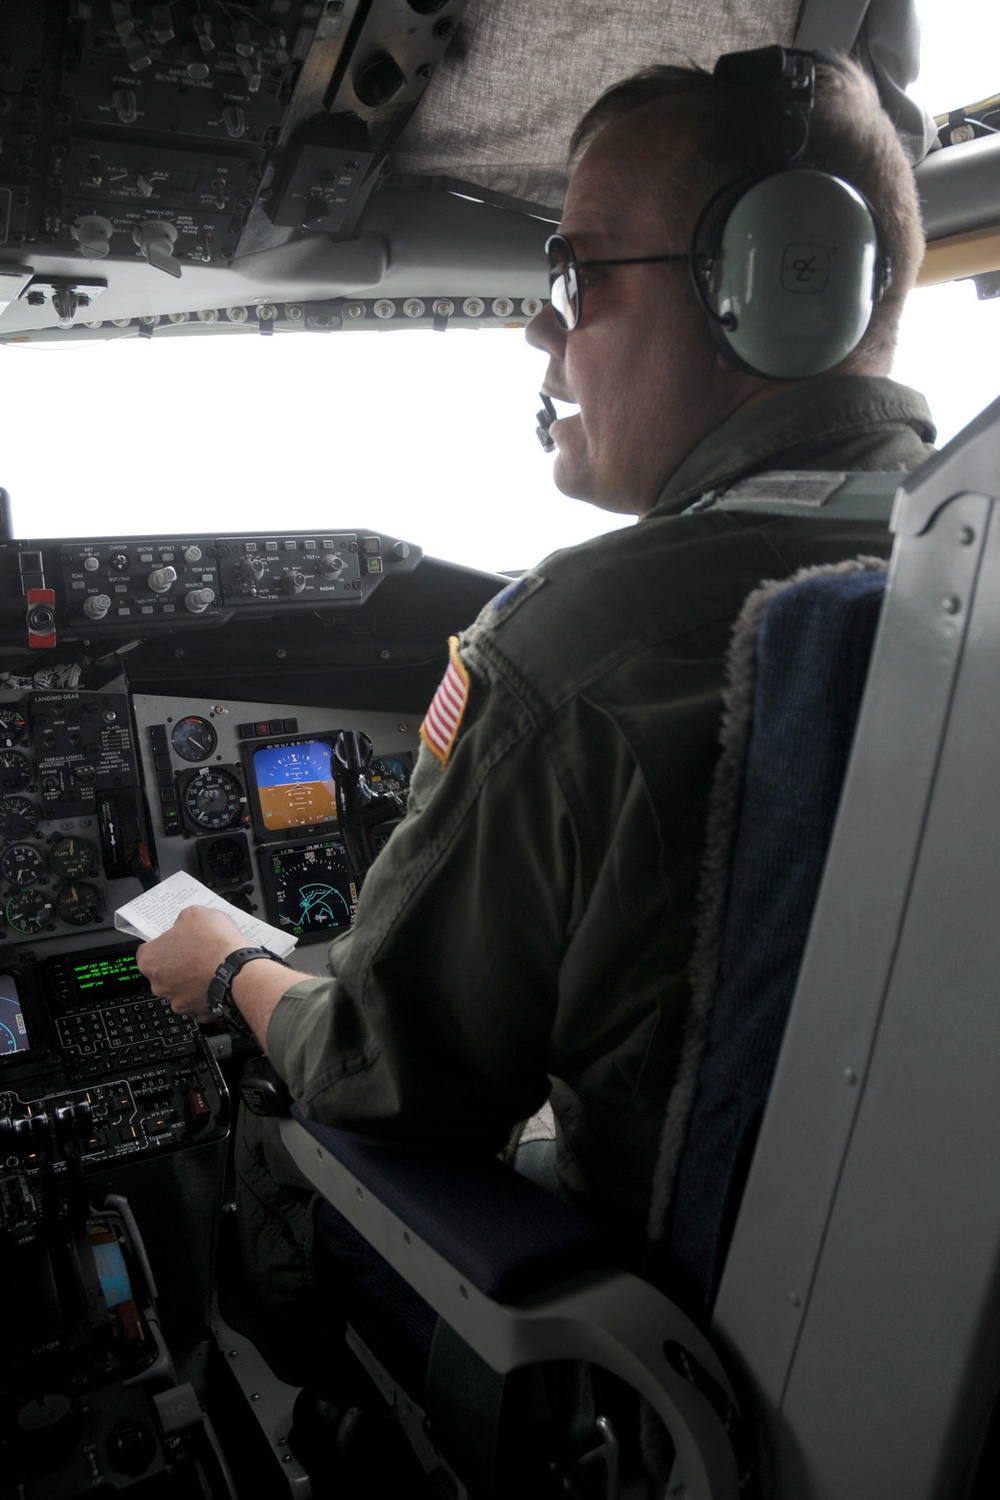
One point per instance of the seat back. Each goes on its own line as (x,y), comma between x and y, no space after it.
(796,672)
(860,1300)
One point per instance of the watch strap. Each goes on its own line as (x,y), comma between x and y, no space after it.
(220,990)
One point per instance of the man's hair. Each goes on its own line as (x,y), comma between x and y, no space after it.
(735,130)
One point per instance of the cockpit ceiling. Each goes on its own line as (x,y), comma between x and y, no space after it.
(333,164)
(501,107)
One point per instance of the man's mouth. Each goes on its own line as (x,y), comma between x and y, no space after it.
(549,417)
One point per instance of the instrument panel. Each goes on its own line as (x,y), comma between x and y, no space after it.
(243,796)
(99,790)
(101,793)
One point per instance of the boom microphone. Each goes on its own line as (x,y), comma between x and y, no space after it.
(545,418)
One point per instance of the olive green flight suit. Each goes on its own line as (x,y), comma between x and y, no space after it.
(527,930)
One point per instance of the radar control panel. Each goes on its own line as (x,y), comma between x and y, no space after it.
(136,586)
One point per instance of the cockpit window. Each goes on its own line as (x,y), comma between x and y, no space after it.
(423,435)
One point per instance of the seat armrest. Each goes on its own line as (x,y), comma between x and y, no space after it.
(501,1232)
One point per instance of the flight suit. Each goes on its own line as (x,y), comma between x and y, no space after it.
(526,932)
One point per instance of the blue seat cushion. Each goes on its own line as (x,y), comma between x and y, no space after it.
(813,649)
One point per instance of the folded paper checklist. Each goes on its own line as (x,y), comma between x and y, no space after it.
(156,910)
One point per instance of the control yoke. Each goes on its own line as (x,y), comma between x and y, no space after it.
(367,816)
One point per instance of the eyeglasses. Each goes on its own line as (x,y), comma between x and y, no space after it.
(565,286)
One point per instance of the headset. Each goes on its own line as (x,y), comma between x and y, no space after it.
(787,262)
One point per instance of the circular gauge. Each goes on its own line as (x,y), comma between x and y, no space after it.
(22,864)
(226,860)
(239,899)
(213,799)
(73,857)
(78,903)
(29,910)
(18,818)
(13,726)
(15,771)
(193,738)
(389,774)
(311,890)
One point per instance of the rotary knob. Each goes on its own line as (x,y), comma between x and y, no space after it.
(293,582)
(250,568)
(198,600)
(93,234)
(161,578)
(332,564)
(97,606)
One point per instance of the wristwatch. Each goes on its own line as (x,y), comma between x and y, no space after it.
(220,991)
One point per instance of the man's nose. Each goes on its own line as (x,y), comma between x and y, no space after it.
(545,331)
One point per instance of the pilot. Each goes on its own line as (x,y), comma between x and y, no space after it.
(525,934)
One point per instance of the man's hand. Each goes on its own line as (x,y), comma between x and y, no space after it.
(181,962)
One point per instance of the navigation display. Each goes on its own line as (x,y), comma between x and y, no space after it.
(295,786)
(310,889)
(13,1032)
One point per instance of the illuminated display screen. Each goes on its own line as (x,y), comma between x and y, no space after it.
(13,1032)
(107,978)
(111,1271)
(295,786)
(311,890)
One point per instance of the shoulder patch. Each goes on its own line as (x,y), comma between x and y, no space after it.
(511,598)
(443,719)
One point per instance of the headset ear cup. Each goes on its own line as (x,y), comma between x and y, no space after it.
(706,259)
(883,266)
(793,270)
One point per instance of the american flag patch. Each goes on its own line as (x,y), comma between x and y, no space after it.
(444,717)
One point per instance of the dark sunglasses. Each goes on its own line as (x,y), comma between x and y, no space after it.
(565,287)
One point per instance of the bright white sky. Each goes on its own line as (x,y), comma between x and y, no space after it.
(424,436)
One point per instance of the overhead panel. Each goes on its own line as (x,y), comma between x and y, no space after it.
(188,135)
